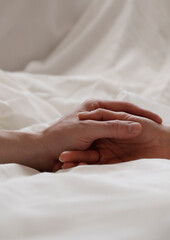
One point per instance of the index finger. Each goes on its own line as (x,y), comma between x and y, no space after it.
(128,108)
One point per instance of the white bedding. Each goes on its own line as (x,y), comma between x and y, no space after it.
(116,50)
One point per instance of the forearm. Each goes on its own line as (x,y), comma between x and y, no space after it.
(22,148)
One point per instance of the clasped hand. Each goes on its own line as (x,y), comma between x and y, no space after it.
(102,132)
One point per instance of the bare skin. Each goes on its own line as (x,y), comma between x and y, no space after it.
(42,150)
(152,142)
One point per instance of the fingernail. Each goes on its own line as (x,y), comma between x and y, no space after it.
(60,159)
(134,128)
(64,156)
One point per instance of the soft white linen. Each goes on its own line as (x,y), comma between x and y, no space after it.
(114,46)
(122,201)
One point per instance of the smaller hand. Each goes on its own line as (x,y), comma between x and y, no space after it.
(153,141)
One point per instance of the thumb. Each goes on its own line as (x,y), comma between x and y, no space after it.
(114,129)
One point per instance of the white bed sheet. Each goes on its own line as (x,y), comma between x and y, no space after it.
(122,201)
(116,46)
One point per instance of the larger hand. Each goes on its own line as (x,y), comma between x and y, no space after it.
(153,141)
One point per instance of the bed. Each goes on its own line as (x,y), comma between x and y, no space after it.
(116,50)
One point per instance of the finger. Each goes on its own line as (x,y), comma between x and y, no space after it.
(114,161)
(124,107)
(132,109)
(71,165)
(89,156)
(112,129)
(103,115)
(68,165)
(82,163)
(57,166)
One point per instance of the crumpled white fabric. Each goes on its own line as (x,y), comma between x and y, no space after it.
(116,50)
(122,201)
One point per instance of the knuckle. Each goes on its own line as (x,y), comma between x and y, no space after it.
(98,113)
(91,104)
(114,127)
(94,105)
(86,123)
(88,102)
(99,110)
(112,124)
(85,127)
(123,116)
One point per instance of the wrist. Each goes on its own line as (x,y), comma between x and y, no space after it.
(50,140)
(20,147)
